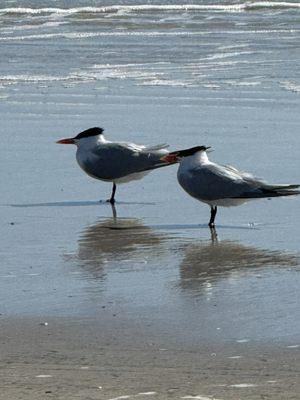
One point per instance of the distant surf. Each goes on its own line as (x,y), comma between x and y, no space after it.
(153,8)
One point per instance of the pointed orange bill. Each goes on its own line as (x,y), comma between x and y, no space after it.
(66,141)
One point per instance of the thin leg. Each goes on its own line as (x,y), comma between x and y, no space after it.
(114,212)
(213,213)
(112,197)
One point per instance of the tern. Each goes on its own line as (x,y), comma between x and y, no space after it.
(218,185)
(116,162)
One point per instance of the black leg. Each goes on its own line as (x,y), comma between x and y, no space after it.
(213,213)
(112,197)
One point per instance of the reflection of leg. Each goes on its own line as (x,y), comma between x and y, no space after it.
(214,235)
(112,197)
(213,213)
(114,211)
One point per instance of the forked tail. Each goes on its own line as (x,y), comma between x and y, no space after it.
(280,190)
(271,191)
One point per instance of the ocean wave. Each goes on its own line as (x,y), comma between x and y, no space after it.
(147,74)
(141,74)
(26,27)
(83,35)
(86,35)
(219,56)
(167,82)
(291,86)
(29,78)
(247,6)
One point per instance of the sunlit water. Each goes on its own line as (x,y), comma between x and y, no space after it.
(221,74)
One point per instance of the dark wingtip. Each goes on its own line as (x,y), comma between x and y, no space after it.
(90,132)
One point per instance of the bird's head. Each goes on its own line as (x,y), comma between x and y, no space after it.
(177,156)
(82,136)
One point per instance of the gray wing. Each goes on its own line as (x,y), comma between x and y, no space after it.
(211,182)
(116,160)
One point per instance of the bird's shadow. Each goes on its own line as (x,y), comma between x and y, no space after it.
(165,227)
(203,226)
(83,203)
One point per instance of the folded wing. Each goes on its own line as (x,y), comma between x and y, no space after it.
(212,181)
(115,160)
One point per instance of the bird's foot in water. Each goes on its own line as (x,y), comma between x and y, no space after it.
(111,201)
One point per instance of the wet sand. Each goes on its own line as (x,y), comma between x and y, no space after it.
(114,358)
(150,311)
(150,304)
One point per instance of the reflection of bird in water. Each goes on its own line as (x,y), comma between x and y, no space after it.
(117,240)
(205,262)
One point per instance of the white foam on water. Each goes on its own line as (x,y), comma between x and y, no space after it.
(222,55)
(49,24)
(43,376)
(270,4)
(86,35)
(153,8)
(290,86)
(242,83)
(29,78)
(165,82)
(116,72)
(211,86)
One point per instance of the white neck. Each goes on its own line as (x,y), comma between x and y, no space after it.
(194,160)
(90,141)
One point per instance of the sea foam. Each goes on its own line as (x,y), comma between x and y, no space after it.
(153,8)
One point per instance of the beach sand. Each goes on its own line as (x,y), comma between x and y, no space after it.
(111,358)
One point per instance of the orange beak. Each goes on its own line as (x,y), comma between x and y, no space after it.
(170,158)
(66,141)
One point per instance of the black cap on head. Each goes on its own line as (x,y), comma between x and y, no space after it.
(89,132)
(191,151)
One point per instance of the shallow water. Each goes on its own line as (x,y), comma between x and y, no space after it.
(224,77)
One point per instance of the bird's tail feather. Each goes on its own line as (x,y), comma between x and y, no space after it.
(281,190)
(161,146)
(272,191)
(282,187)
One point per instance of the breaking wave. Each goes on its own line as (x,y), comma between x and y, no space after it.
(247,6)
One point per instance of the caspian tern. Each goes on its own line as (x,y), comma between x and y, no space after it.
(218,185)
(116,162)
